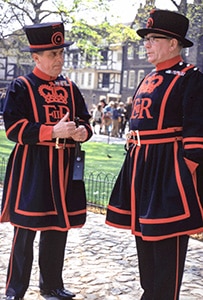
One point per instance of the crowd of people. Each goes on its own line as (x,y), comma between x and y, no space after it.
(111,118)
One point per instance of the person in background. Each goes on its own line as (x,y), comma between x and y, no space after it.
(115,120)
(103,103)
(39,193)
(128,111)
(122,119)
(107,117)
(92,109)
(159,192)
(97,118)
(2,100)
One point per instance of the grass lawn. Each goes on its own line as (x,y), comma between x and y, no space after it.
(102,164)
(99,157)
(5,145)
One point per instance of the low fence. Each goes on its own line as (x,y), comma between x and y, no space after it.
(98,187)
(3,163)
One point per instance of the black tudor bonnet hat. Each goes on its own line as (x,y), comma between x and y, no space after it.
(168,23)
(45,36)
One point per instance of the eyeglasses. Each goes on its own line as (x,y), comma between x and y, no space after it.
(152,39)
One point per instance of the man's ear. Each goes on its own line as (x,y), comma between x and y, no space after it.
(173,44)
(35,57)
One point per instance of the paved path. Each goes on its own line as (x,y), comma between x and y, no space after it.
(101,264)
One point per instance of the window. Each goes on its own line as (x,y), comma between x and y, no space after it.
(105,80)
(89,82)
(140,76)
(76,77)
(130,52)
(104,55)
(125,74)
(131,82)
(119,56)
(89,59)
(142,52)
(82,79)
(75,60)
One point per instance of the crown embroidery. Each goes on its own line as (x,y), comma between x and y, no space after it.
(150,83)
(52,93)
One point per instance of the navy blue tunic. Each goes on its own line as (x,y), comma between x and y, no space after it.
(158,193)
(39,192)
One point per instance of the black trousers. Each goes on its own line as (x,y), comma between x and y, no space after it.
(51,257)
(161,267)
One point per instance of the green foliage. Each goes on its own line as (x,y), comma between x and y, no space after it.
(195,13)
(89,37)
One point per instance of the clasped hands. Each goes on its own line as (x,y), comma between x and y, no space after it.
(67,129)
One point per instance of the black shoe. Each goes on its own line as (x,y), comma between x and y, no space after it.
(13,298)
(59,293)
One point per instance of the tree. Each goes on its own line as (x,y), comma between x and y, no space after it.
(88,34)
(89,37)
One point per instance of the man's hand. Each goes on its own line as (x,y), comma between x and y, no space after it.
(80,134)
(64,128)
(68,129)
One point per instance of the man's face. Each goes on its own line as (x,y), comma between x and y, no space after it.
(50,61)
(158,48)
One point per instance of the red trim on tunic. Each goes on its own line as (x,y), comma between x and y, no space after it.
(46,46)
(5,216)
(32,98)
(177,267)
(43,75)
(133,192)
(192,166)
(45,133)
(193,139)
(11,258)
(48,227)
(162,237)
(11,128)
(166,97)
(193,146)
(20,134)
(117,225)
(179,182)
(157,131)
(118,210)
(154,238)
(156,141)
(169,63)
(77,212)
(17,209)
(43,228)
